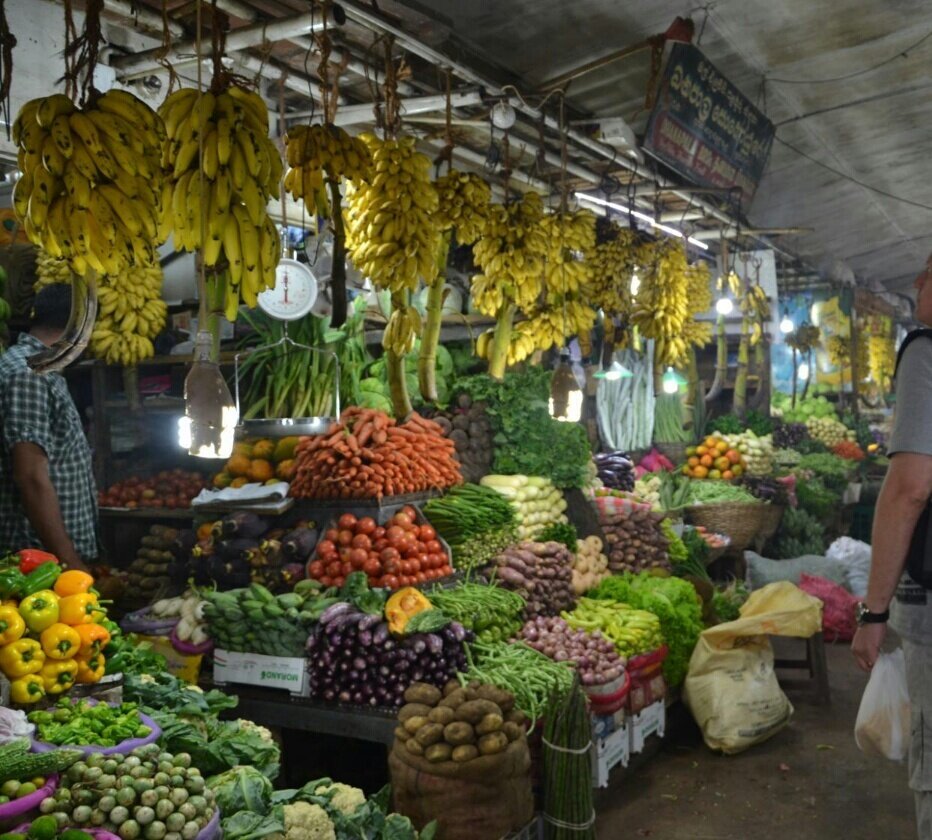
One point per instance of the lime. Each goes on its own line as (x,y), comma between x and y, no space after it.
(25,789)
(44,828)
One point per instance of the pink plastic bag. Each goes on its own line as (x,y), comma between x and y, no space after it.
(838,621)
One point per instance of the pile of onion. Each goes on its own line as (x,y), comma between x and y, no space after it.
(594,656)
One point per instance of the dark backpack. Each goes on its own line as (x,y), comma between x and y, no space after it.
(919,556)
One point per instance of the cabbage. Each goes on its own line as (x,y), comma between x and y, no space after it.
(242,788)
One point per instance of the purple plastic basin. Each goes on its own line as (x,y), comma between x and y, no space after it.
(212,829)
(123,747)
(18,807)
(137,622)
(189,649)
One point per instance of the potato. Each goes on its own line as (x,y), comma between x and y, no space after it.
(454,700)
(429,734)
(450,687)
(505,700)
(413,710)
(402,734)
(473,711)
(518,717)
(412,724)
(441,714)
(423,693)
(490,723)
(413,746)
(492,743)
(514,731)
(466,752)
(458,733)
(438,752)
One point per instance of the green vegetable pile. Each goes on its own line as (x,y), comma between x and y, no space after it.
(716,492)
(805,408)
(477,522)
(535,680)
(374,388)
(727,601)
(148,794)
(494,614)
(834,470)
(78,722)
(528,441)
(18,764)
(677,552)
(561,532)
(126,654)
(800,533)
(815,498)
(674,601)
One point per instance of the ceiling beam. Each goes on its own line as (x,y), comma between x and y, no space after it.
(354,114)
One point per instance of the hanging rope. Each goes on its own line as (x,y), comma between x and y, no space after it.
(446,153)
(7,43)
(82,51)
(328,72)
(165,50)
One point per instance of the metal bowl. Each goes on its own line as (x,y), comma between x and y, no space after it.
(285,426)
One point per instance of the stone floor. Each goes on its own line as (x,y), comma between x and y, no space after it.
(809,782)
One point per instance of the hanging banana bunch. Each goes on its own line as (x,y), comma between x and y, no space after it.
(549,327)
(222,169)
(570,236)
(91,188)
(614,262)
(699,291)
(392,234)
(881,360)
(661,308)
(130,314)
(50,270)
(755,306)
(839,350)
(511,254)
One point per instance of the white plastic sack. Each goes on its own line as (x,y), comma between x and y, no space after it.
(856,558)
(882,727)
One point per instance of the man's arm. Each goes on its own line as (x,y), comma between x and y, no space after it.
(40,502)
(905,492)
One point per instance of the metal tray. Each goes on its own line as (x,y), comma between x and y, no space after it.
(285,426)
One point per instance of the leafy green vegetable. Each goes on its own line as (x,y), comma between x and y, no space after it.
(241,789)
(528,441)
(245,825)
(428,621)
(356,590)
(815,498)
(727,424)
(834,470)
(167,693)
(561,532)
(727,602)
(127,655)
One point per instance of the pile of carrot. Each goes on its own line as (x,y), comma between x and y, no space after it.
(367,455)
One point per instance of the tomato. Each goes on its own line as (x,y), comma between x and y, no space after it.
(331,534)
(446,570)
(346,568)
(326,547)
(378,533)
(420,547)
(390,581)
(406,544)
(345,537)
(380,544)
(326,581)
(409,511)
(358,557)
(362,541)
(420,577)
(394,535)
(434,546)
(423,560)
(338,581)
(372,567)
(402,520)
(389,554)
(428,533)
(333,569)
(404,580)
(347,521)
(366,525)
(316,569)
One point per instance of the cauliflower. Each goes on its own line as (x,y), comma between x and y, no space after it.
(346,799)
(146,679)
(261,731)
(304,821)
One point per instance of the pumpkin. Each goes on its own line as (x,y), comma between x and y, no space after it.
(403,606)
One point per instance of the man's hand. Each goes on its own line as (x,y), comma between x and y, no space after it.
(866,644)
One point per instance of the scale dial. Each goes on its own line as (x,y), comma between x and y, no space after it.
(293,294)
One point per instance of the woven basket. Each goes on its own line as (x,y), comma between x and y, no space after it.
(770,522)
(739,520)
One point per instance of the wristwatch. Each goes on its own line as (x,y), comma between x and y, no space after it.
(864,616)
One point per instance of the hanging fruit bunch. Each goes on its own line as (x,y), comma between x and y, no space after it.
(662,307)
(614,261)
(839,350)
(221,170)
(699,290)
(91,185)
(881,360)
(463,209)
(510,254)
(50,270)
(131,313)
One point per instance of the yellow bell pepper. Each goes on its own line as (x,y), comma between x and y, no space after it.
(72,582)
(40,610)
(59,676)
(28,689)
(20,658)
(12,626)
(90,668)
(60,641)
(78,609)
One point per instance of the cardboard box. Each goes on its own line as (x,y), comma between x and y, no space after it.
(608,753)
(651,720)
(289,673)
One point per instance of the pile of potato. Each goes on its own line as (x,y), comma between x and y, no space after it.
(468,425)
(149,574)
(458,724)
(634,541)
(590,565)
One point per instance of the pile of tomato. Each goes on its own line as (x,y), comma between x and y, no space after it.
(168,489)
(399,553)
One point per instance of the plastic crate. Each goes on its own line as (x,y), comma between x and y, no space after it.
(651,720)
(608,753)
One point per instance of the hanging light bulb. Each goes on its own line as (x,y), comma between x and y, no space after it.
(786,325)
(503,115)
(210,415)
(670,381)
(724,305)
(635,284)
(566,397)
(804,371)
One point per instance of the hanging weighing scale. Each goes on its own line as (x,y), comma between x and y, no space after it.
(292,297)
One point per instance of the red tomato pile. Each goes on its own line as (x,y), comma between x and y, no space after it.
(169,489)
(400,553)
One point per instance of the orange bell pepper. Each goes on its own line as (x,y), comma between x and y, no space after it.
(91,668)
(94,638)
(73,582)
(78,609)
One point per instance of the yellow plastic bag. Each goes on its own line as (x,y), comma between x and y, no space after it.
(731,688)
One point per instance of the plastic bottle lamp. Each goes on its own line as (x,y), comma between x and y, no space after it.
(671,381)
(566,397)
(210,416)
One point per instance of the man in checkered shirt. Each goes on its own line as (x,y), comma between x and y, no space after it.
(47,493)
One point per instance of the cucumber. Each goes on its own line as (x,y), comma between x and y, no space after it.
(28,765)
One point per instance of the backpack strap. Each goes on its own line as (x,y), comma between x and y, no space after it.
(920,333)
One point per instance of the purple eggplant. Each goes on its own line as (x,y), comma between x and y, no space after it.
(298,544)
(335,610)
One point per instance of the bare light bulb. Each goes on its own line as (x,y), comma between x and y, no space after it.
(804,371)
(786,325)
(635,284)
(724,306)
(503,116)
(670,383)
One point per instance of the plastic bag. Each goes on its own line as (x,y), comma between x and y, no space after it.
(856,557)
(731,688)
(13,724)
(838,619)
(882,727)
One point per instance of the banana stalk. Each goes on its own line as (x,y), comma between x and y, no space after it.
(131,387)
(761,398)
(338,267)
(692,374)
(721,362)
(795,374)
(427,358)
(740,402)
(498,353)
(395,369)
